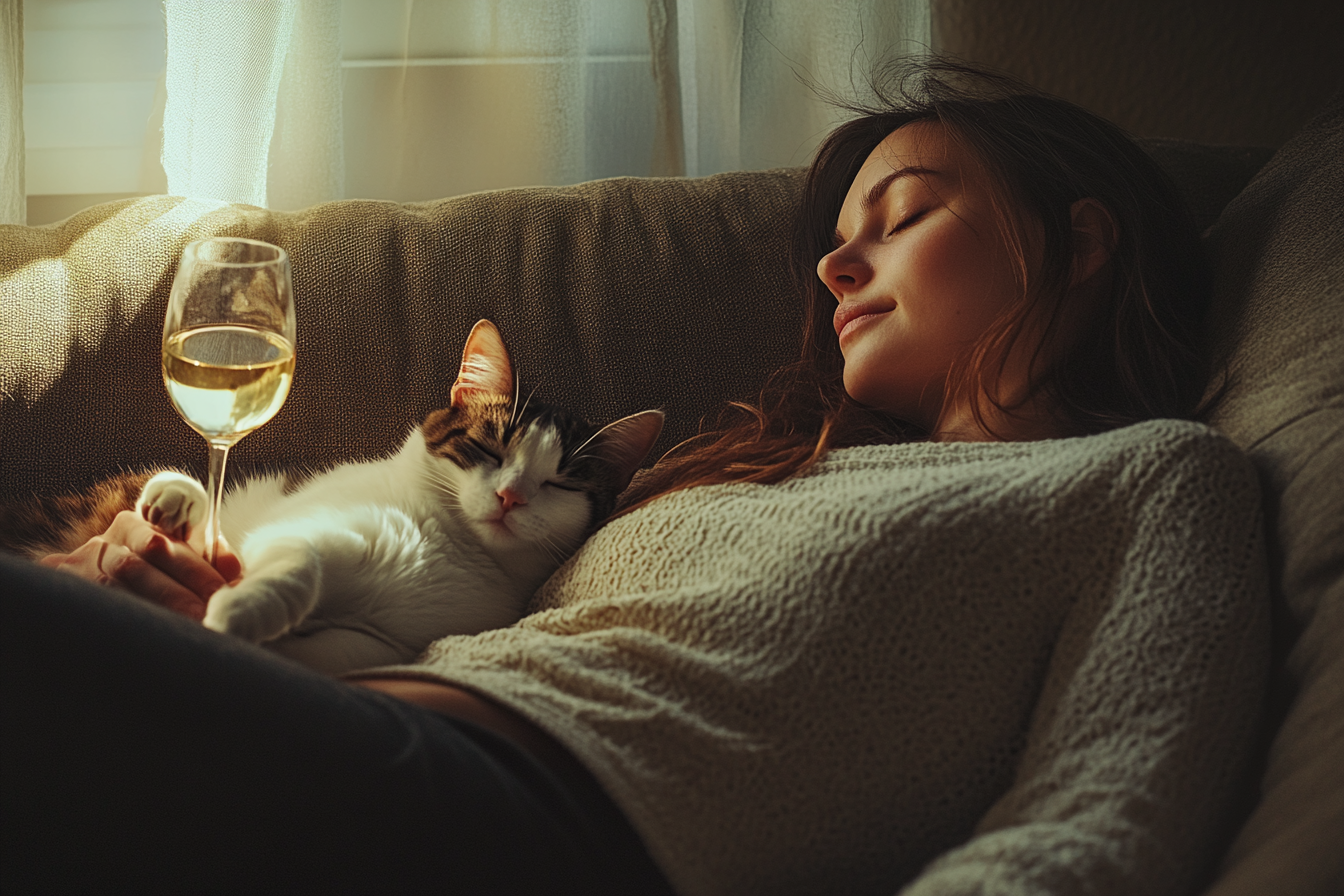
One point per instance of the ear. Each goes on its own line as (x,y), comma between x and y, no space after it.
(626,442)
(1094,239)
(485,366)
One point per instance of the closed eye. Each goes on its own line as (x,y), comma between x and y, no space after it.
(912,219)
(562,487)
(493,455)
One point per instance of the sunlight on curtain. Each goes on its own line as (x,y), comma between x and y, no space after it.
(223,77)
(287,103)
(307,157)
(253,109)
(451,96)
(12,193)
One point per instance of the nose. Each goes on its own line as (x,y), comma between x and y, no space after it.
(843,271)
(510,497)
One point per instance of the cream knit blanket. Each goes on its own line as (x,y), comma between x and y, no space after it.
(1051,653)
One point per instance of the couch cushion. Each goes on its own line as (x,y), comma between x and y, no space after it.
(1278,251)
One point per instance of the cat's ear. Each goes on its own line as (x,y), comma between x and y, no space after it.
(485,366)
(626,442)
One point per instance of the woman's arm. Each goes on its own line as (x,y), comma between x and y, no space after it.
(1144,727)
(137,557)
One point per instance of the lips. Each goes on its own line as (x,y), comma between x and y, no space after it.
(848,312)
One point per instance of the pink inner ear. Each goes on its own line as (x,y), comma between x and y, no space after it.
(485,365)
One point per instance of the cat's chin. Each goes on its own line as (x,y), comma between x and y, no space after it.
(496,533)
(497,536)
(499,529)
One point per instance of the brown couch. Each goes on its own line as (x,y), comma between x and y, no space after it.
(625,294)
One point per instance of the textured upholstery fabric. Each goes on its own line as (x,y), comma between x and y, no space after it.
(1279,257)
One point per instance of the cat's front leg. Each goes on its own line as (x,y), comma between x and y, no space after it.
(279,588)
(176,503)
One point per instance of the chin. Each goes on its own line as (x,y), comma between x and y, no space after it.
(874,399)
(496,532)
(900,406)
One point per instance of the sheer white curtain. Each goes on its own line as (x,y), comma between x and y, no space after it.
(286,103)
(253,111)
(11,113)
(558,91)
(448,97)
(742,77)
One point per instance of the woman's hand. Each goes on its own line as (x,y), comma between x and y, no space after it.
(137,557)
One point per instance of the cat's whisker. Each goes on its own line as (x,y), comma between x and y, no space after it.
(443,483)
(590,439)
(528,401)
(448,488)
(554,549)
(514,414)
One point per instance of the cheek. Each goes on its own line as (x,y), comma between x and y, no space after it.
(555,515)
(964,283)
(475,490)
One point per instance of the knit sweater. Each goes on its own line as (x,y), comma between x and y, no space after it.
(961,667)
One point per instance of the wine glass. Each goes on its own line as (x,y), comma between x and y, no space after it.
(228,347)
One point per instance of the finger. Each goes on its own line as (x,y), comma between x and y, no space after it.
(53,561)
(125,567)
(82,561)
(227,563)
(174,557)
(129,529)
(180,562)
(108,562)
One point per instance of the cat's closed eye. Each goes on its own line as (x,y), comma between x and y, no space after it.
(488,452)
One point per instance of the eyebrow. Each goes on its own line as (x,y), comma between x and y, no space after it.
(872,197)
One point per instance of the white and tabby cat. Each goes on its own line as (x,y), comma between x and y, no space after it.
(367,563)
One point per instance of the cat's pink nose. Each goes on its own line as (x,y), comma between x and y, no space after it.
(510,497)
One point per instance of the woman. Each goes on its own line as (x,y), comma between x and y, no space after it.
(981,265)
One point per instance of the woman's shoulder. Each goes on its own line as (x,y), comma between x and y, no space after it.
(1167,435)
(1182,456)
(1118,468)
(1148,442)
(1174,447)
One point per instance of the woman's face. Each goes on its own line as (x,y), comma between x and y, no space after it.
(919,271)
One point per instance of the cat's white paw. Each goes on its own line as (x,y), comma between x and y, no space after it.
(241,611)
(175,503)
(278,592)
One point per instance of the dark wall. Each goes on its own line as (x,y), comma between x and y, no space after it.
(1217,71)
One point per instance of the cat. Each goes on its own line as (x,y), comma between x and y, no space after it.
(367,563)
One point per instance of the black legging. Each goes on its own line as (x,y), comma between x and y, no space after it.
(143,754)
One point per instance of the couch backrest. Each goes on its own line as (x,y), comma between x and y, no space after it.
(1278,253)
(614,296)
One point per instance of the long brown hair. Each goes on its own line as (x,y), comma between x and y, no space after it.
(1137,359)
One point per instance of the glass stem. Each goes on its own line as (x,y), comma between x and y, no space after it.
(219,453)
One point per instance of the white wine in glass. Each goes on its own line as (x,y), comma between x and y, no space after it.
(228,347)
